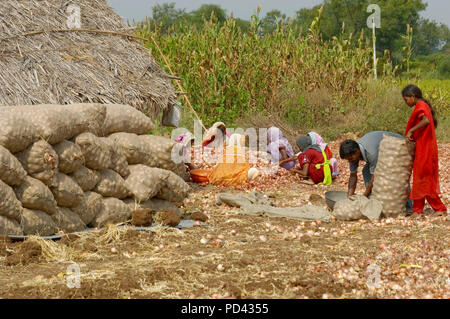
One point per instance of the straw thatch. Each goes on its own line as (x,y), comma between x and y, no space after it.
(42,61)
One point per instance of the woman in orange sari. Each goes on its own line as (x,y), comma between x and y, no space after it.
(234,168)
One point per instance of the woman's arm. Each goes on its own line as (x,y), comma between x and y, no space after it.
(424,122)
(302,172)
(290,159)
(283,153)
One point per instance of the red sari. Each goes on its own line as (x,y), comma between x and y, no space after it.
(426,165)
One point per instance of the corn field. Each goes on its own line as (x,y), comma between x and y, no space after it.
(229,74)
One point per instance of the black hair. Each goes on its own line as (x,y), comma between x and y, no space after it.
(348,147)
(413,90)
(222,128)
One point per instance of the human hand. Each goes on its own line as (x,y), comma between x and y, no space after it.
(409,136)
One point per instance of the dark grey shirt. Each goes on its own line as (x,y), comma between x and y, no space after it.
(369,145)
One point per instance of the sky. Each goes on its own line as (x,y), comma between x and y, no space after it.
(438,10)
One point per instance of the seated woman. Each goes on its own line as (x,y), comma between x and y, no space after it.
(217,133)
(312,162)
(234,168)
(316,139)
(186,141)
(280,149)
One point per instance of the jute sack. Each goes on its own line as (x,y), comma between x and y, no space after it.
(96,153)
(95,113)
(9,226)
(68,221)
(133,148)
(174,190)
(86,178)
(33,194)
(155,204)
(161,150)
(10,206)
(124,118)
(70,157)
(53,123)
(39,223)
(113,211)
(119,162)
(89,208)
(40,161)
(11,171)
(350,209)
(392,175)
(111,184)
(16,133)
(67,193)
(145,182)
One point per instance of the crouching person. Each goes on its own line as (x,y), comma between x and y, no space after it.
(365,149)
(234,168)
(313,162)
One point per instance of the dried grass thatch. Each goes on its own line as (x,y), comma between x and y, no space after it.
(42,61)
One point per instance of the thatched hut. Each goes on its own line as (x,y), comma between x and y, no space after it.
(45,60)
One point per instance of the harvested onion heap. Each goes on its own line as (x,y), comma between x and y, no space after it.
(270,177)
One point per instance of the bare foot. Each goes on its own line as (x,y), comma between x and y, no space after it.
(416,215)
(442,213)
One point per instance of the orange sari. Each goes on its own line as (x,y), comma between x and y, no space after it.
(233,168)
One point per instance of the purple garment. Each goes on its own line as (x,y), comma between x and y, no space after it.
(276,139)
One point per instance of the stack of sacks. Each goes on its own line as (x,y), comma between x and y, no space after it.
(392,175)
(63,168)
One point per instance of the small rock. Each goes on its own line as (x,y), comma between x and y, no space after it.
(167,218)
(142,217)
(199,216)
(317,200)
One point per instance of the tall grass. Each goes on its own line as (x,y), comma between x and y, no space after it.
(288,75)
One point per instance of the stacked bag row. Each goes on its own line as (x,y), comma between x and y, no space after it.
(69,167)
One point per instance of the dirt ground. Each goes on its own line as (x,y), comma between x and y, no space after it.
(238,256)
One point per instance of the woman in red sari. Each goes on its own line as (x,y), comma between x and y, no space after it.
(421,130)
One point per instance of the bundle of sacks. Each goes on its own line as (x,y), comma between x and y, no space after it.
(69,167)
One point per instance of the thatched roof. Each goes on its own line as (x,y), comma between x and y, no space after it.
(42,61)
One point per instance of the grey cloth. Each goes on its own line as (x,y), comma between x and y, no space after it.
(258,205)
(304,143)
(369,145)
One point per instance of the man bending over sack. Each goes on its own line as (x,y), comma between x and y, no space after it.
(365,149)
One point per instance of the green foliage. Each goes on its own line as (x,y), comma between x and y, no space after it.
(433,66)
(207,12)
(268,71)
(228,73)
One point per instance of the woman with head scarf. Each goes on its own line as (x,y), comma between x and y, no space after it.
(316,139)
(280,149)
(234,168)
(186,142)
(313,162)
(217,133)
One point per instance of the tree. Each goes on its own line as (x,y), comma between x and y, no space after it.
(206,11)
(166,15)
(430,37)
(395,16)
(270,22)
